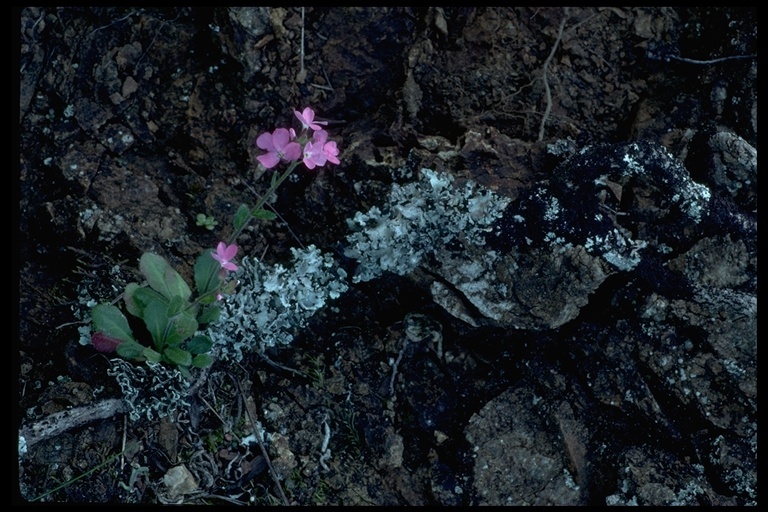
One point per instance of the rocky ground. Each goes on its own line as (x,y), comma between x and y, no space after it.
(598,346)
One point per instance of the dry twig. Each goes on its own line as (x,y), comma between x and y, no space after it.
(547,92)
(257,434)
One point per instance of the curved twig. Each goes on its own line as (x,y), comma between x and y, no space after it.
(547,92)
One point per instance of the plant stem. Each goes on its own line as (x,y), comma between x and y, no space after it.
(263,200)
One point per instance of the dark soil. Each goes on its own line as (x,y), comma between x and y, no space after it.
(134,120)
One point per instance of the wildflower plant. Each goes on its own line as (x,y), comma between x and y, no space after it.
(174,316)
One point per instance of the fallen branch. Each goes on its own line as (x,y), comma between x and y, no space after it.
(60,422)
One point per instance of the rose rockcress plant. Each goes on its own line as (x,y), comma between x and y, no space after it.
(171,312)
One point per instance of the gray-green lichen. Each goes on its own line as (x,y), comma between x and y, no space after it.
(272,303)
(150,390)
(417,221)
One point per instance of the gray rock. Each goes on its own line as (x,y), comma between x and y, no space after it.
(521,456)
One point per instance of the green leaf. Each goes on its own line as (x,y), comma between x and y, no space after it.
(162,277)
(130,304)
(178,356)
(130,350)
(111,321)
(177,286)
(182,326)
(152,355)
(209,314)
(176,305)
(263,214)
(202,361)
(207,299)
(206,273)
(143,296)
(242,215)
(200,344)
(156,319)
(229,288)
(153,268)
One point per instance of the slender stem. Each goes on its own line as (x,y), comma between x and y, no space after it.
(263,199)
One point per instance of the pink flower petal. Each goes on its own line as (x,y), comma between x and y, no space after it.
(280,138)
(320,136)
(264,141)
(268,160)
(292,151)
(229,252)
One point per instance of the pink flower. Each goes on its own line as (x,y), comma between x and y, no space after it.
(313,155)
(279,147)
(307,119)
(320,136)
(224,255)
(331,151)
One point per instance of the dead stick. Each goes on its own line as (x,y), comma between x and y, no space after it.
(544,73)
(60,422)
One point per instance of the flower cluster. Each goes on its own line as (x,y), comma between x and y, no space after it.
(283,144)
